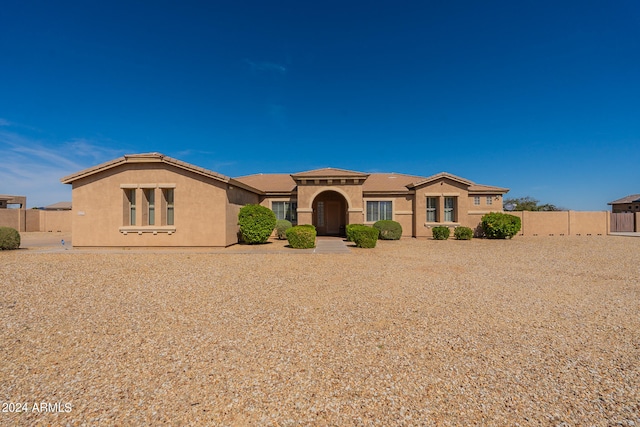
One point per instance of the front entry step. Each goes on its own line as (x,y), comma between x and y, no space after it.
(330,245)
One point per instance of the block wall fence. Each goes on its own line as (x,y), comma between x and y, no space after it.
(563,223)
(26,220)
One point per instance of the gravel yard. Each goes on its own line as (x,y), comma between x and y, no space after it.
(533,331)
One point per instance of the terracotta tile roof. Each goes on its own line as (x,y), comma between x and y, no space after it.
(376,182)
(629,199)
(477,188)
(269,182)
(389,182)
(329,172)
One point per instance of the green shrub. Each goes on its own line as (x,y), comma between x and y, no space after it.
(302,236)
(463,233)
(282,225)
(256,223)
(389,230)
(349,230)
(364,236)
(9,238)
(441,232)
(498,225)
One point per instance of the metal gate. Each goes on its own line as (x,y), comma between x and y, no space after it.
(622,222)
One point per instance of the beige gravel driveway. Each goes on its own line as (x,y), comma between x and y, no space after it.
(533,331)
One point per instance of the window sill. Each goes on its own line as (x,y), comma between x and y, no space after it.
(441,224)
(169,229)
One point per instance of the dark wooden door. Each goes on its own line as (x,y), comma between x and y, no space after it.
(333,217)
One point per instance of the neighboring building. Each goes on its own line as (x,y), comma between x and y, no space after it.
(626,204)
(6,200)
(154,200)
(60,206)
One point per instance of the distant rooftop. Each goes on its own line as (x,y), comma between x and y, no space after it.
(633,198)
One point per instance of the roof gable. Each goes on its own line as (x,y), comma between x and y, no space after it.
(441,175)
(329,173)
(153,158)
(142,158)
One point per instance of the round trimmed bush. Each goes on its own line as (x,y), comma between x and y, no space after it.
(463,233)
(282,225)
(302,236)
(441,233)
(365,236)
(9,238)
(498,225)
(256,223)
(389,230)
(349,230)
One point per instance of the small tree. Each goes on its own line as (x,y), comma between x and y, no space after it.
(497,225)
(529,204)
(256,223)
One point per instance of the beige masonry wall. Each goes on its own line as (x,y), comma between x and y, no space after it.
(402,206)
(236,198)
(466,213)
(563,223)
(14,218)
(27,220)
(200,208)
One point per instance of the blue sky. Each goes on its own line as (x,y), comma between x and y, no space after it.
(542,97)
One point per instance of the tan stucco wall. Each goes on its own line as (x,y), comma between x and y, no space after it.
(309,191)
(28,220)
(33,220)
(585,223)
(236,199)
(563,223)
(200,207)
(14,218)
(467,214)
(402,206)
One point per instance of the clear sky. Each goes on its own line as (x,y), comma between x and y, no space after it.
(542,97)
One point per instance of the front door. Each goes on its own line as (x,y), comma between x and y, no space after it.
(329,213)
(333,217)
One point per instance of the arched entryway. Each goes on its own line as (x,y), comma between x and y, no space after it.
(330,213)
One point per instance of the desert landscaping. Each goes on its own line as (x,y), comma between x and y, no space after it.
(529,331)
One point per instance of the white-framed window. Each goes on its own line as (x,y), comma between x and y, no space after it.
(489,200)
(432,209)
(379,210)
(476,200)
(130,206)
(449,209)
(150,206)
(285,210)
(168,205)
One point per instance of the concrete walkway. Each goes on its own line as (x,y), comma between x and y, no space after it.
(331,245)
(627,234)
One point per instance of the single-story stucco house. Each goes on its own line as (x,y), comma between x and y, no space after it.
(154,200)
